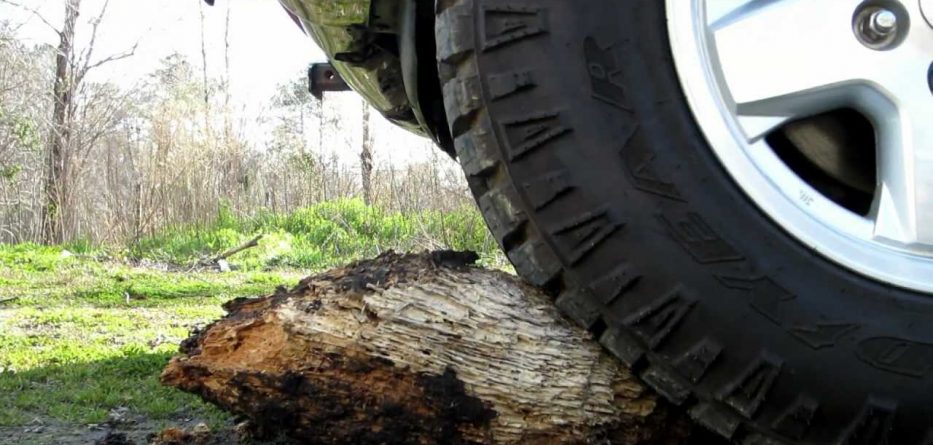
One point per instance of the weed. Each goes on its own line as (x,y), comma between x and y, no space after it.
(321,236)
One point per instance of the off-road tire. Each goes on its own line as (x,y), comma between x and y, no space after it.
(590,170)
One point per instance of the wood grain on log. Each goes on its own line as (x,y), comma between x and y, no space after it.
(418,349)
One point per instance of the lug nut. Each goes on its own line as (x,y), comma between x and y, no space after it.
(879,28)
(882,22)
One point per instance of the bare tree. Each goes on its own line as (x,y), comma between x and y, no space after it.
(207,98)
(65,152)
(63,162)
(366,157)
(63,92)
(226,81)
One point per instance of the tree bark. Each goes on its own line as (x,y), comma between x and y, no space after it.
(418,349)
(206,87)
(228,124)
(63,94)
(366,157)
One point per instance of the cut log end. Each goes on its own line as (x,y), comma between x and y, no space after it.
(418,349)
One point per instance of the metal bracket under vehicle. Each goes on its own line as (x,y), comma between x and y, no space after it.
(322,77)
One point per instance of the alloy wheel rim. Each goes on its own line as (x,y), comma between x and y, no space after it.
(750,67)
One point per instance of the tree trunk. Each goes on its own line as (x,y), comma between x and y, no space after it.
(228,124)
(63,95)
(206,87)
(418,349)
(366,157)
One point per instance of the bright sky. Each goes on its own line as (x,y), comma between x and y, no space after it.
(266,49)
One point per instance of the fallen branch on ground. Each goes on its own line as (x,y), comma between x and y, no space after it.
(229,253)
(8,300)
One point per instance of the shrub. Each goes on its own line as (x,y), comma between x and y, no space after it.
(323,235)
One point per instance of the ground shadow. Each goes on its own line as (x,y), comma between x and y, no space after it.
(83,403)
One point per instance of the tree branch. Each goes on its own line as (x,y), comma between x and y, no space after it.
(86,64)
(95,24)
(113,58)
(35,12)
(245,246)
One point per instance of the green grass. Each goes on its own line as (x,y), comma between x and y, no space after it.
(48,277)
(324,235)
(86,332)
(86,335)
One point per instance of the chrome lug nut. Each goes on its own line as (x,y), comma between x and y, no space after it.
(880,28)
(882,22)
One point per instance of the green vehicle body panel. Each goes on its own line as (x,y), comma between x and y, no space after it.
(344,30)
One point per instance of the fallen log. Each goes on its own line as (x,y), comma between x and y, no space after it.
(418,349)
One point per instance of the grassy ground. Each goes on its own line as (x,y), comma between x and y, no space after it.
(88,337)
(325,235)
(85,332)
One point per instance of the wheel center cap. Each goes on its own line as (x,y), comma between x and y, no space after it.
(926,8)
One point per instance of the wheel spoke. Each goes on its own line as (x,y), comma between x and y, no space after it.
(904,211)
(786,58)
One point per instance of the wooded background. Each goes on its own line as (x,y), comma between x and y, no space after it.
(88,160)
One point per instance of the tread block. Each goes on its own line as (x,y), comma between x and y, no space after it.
(622,346)
(715,419)
(873,424)
(612,286)
(504,85)
(694,364)
(474,150)
(532,132)
(667,383)
(748,391)
(505,22)
(456,38)
(579,305)
(795,421)
(578,237)
(463,100)
(535,263)
(758,439)
(656,321)
(502,217)
(547,188)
